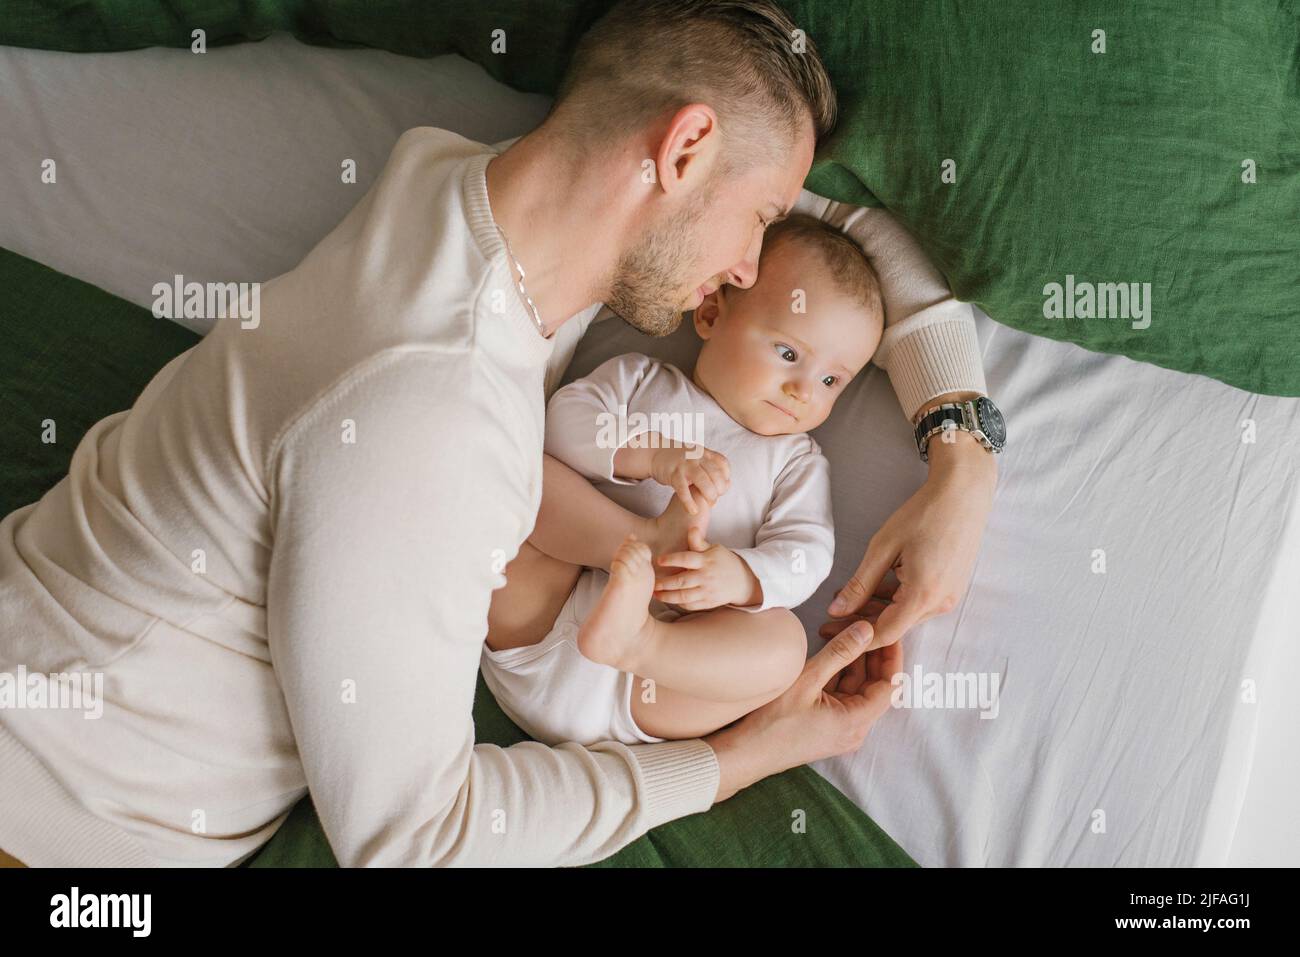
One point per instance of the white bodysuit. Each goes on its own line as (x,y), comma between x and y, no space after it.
(776,516)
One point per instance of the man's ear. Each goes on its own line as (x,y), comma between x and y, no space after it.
(707,313)
(692,136)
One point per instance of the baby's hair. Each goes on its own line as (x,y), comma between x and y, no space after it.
(844,258)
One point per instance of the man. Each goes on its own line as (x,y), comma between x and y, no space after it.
(280,559)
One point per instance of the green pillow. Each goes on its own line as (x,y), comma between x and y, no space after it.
(1077,168)
(74,354)
(1156,183)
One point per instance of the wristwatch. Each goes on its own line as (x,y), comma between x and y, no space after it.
(980,417)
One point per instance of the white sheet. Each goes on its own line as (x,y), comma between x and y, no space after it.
(1120,691)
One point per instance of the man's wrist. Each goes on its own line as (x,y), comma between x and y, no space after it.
(737,766)
(956,450)
(929,405)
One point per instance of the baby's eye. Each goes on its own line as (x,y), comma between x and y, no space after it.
(785,352)
(830,379)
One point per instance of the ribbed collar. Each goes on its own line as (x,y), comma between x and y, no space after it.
(521,338)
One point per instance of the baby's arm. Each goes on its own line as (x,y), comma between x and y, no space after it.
(587,421)
(709,577)
(586,425)
(575,522)
(689,470)
(792,553)
(795,546)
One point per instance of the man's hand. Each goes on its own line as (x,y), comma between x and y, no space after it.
(815,718)
(680,468)
(714,575)
(930,542)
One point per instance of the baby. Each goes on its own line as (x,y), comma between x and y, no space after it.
(683,644)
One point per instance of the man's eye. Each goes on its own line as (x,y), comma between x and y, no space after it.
(830,379)
(785,352)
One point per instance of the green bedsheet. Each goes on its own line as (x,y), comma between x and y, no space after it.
(1086,145)
(74,353)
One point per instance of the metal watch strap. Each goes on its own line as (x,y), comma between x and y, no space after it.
(980,417)
(933,422)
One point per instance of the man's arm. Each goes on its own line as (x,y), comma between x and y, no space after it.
(932,354)
(391,526)
(929,348)
(957,451)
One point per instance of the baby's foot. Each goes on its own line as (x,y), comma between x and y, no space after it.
(615,631)
(677,530)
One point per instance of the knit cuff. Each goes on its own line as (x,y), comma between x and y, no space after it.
(931,353)
(677,778)
(43,825)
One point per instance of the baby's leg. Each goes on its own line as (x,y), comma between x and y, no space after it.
(577,523)
(524,610)
(721,655)
(575,527)
(666,713)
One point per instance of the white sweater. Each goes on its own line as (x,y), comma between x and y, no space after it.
(279,563)
(332,639)
(777,513)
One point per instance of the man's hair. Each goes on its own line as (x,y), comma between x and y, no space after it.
(645,58)
(843,258)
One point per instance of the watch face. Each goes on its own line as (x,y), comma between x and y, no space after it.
(991,423)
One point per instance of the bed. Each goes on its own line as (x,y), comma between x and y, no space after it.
(1145,715)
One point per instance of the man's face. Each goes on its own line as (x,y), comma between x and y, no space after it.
(714,239)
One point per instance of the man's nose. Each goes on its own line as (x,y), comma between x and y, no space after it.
(745,273)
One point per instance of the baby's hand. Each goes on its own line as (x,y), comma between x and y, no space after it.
(713,577)
(708,471)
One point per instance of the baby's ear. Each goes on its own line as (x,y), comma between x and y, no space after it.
(706,315)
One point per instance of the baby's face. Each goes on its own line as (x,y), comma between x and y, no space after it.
(775,370)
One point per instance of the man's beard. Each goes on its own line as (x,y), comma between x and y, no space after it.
(646,289)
